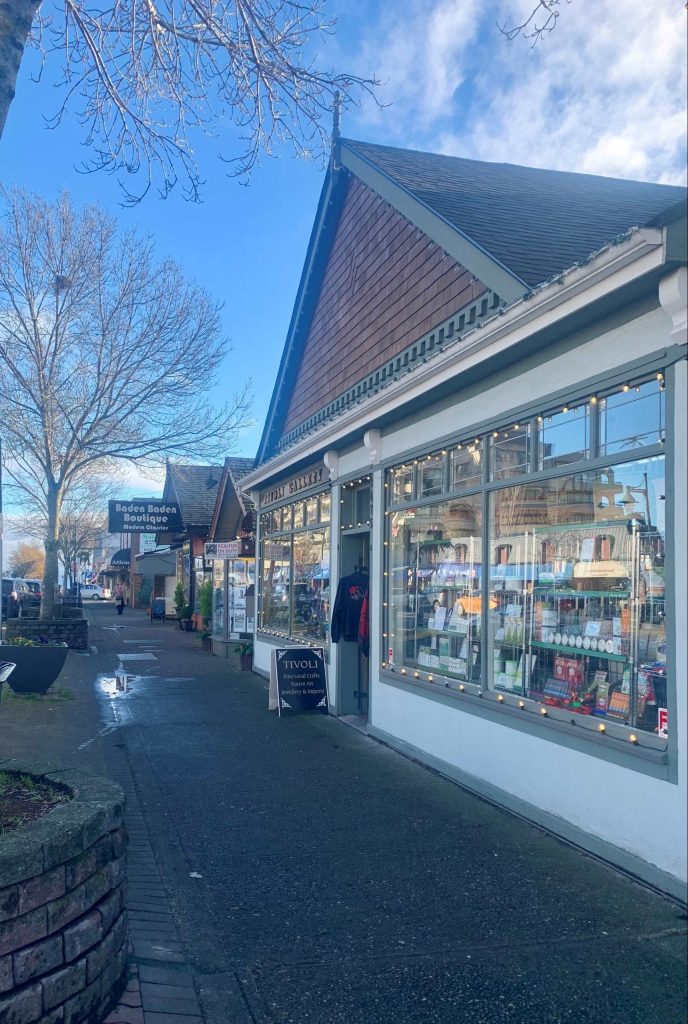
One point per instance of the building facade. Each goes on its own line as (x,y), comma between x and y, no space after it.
(479,424)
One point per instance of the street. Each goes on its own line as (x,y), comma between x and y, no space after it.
(305,874)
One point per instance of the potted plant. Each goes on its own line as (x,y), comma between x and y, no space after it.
(144,595)
(179,600)
(245,651)
(185,618)
(37,664)
(205,606)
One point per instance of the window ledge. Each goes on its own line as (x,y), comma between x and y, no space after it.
(555,725)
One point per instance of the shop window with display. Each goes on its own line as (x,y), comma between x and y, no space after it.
(578,621)
(218,599)
(295,570)
(565,614)
(433,603)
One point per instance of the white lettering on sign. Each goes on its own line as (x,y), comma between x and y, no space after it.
(150,507)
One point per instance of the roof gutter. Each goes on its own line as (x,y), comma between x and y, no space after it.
(613,267)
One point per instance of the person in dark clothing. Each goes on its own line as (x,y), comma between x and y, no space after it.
(119,598)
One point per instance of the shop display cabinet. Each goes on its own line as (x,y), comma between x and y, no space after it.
(446,634)
(577,630)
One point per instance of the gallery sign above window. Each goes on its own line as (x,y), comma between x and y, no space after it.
(286,489)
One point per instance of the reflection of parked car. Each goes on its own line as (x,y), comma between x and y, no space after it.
(471,604)
(16,595)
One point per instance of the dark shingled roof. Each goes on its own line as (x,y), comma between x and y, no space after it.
(195,495)
(535,222)
(237,469)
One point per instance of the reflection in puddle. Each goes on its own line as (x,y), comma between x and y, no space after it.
(124,682)
(112,686)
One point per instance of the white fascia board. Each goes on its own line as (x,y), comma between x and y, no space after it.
(612,269)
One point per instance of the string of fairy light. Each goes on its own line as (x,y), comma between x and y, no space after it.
(474,446)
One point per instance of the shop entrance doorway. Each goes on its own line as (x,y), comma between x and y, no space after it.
(353,666)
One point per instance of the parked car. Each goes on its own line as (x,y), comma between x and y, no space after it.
(36,588)
(16,596)
(94,592)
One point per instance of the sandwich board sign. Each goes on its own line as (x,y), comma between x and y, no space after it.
(298,681)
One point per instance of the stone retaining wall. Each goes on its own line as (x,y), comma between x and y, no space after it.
(74,632)
(63,928)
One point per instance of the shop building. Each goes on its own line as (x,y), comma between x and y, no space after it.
(155,577)
(230,555)
(481,410)
(195,489)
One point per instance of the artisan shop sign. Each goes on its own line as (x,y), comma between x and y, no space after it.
(291,488)
(298,680)
(144,515)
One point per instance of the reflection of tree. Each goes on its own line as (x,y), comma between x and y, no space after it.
(310,550)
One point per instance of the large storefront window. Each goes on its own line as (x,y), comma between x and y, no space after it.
(218,599)
(577,584)
(565,607)
(434,588)
(295,570)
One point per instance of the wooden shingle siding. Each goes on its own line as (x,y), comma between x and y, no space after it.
(385,285)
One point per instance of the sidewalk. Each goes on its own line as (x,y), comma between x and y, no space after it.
(78,726)
(295,871)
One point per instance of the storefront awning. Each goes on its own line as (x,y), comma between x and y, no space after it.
(121,559)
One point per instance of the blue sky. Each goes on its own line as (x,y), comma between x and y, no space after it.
(605,94)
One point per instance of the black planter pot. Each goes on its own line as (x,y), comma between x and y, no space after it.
(37,667)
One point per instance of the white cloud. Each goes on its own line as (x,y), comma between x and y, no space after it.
(605,93)
(142,483)
(415,51)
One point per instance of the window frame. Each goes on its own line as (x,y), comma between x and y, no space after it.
(287,536)
(596,459)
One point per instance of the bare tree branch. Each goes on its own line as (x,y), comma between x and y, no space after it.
(105,355)
(540,22)
(143,76)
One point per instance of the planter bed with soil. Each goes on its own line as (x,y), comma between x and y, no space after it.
(63,930)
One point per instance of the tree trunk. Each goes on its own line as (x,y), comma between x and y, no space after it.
(16,17)
(52,545)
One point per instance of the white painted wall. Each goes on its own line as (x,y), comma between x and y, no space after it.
(641,815)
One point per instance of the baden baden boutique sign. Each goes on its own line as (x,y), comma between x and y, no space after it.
(292,487)
(144,515)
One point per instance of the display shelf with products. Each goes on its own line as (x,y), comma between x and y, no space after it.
(582,620)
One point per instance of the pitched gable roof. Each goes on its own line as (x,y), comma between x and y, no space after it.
(513,227)
(195,488)
(534,222)
(233,472)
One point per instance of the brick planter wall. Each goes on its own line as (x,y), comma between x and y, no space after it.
(63,929)
(74,632)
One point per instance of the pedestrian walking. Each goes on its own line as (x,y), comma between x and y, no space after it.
(119,598)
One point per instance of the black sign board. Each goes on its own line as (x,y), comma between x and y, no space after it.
(301,680)
(144,515)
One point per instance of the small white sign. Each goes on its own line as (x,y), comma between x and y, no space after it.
(218,549)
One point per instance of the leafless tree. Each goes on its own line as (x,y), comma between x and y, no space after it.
(105,355)
(84,513)
(540,22)
(141,75)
